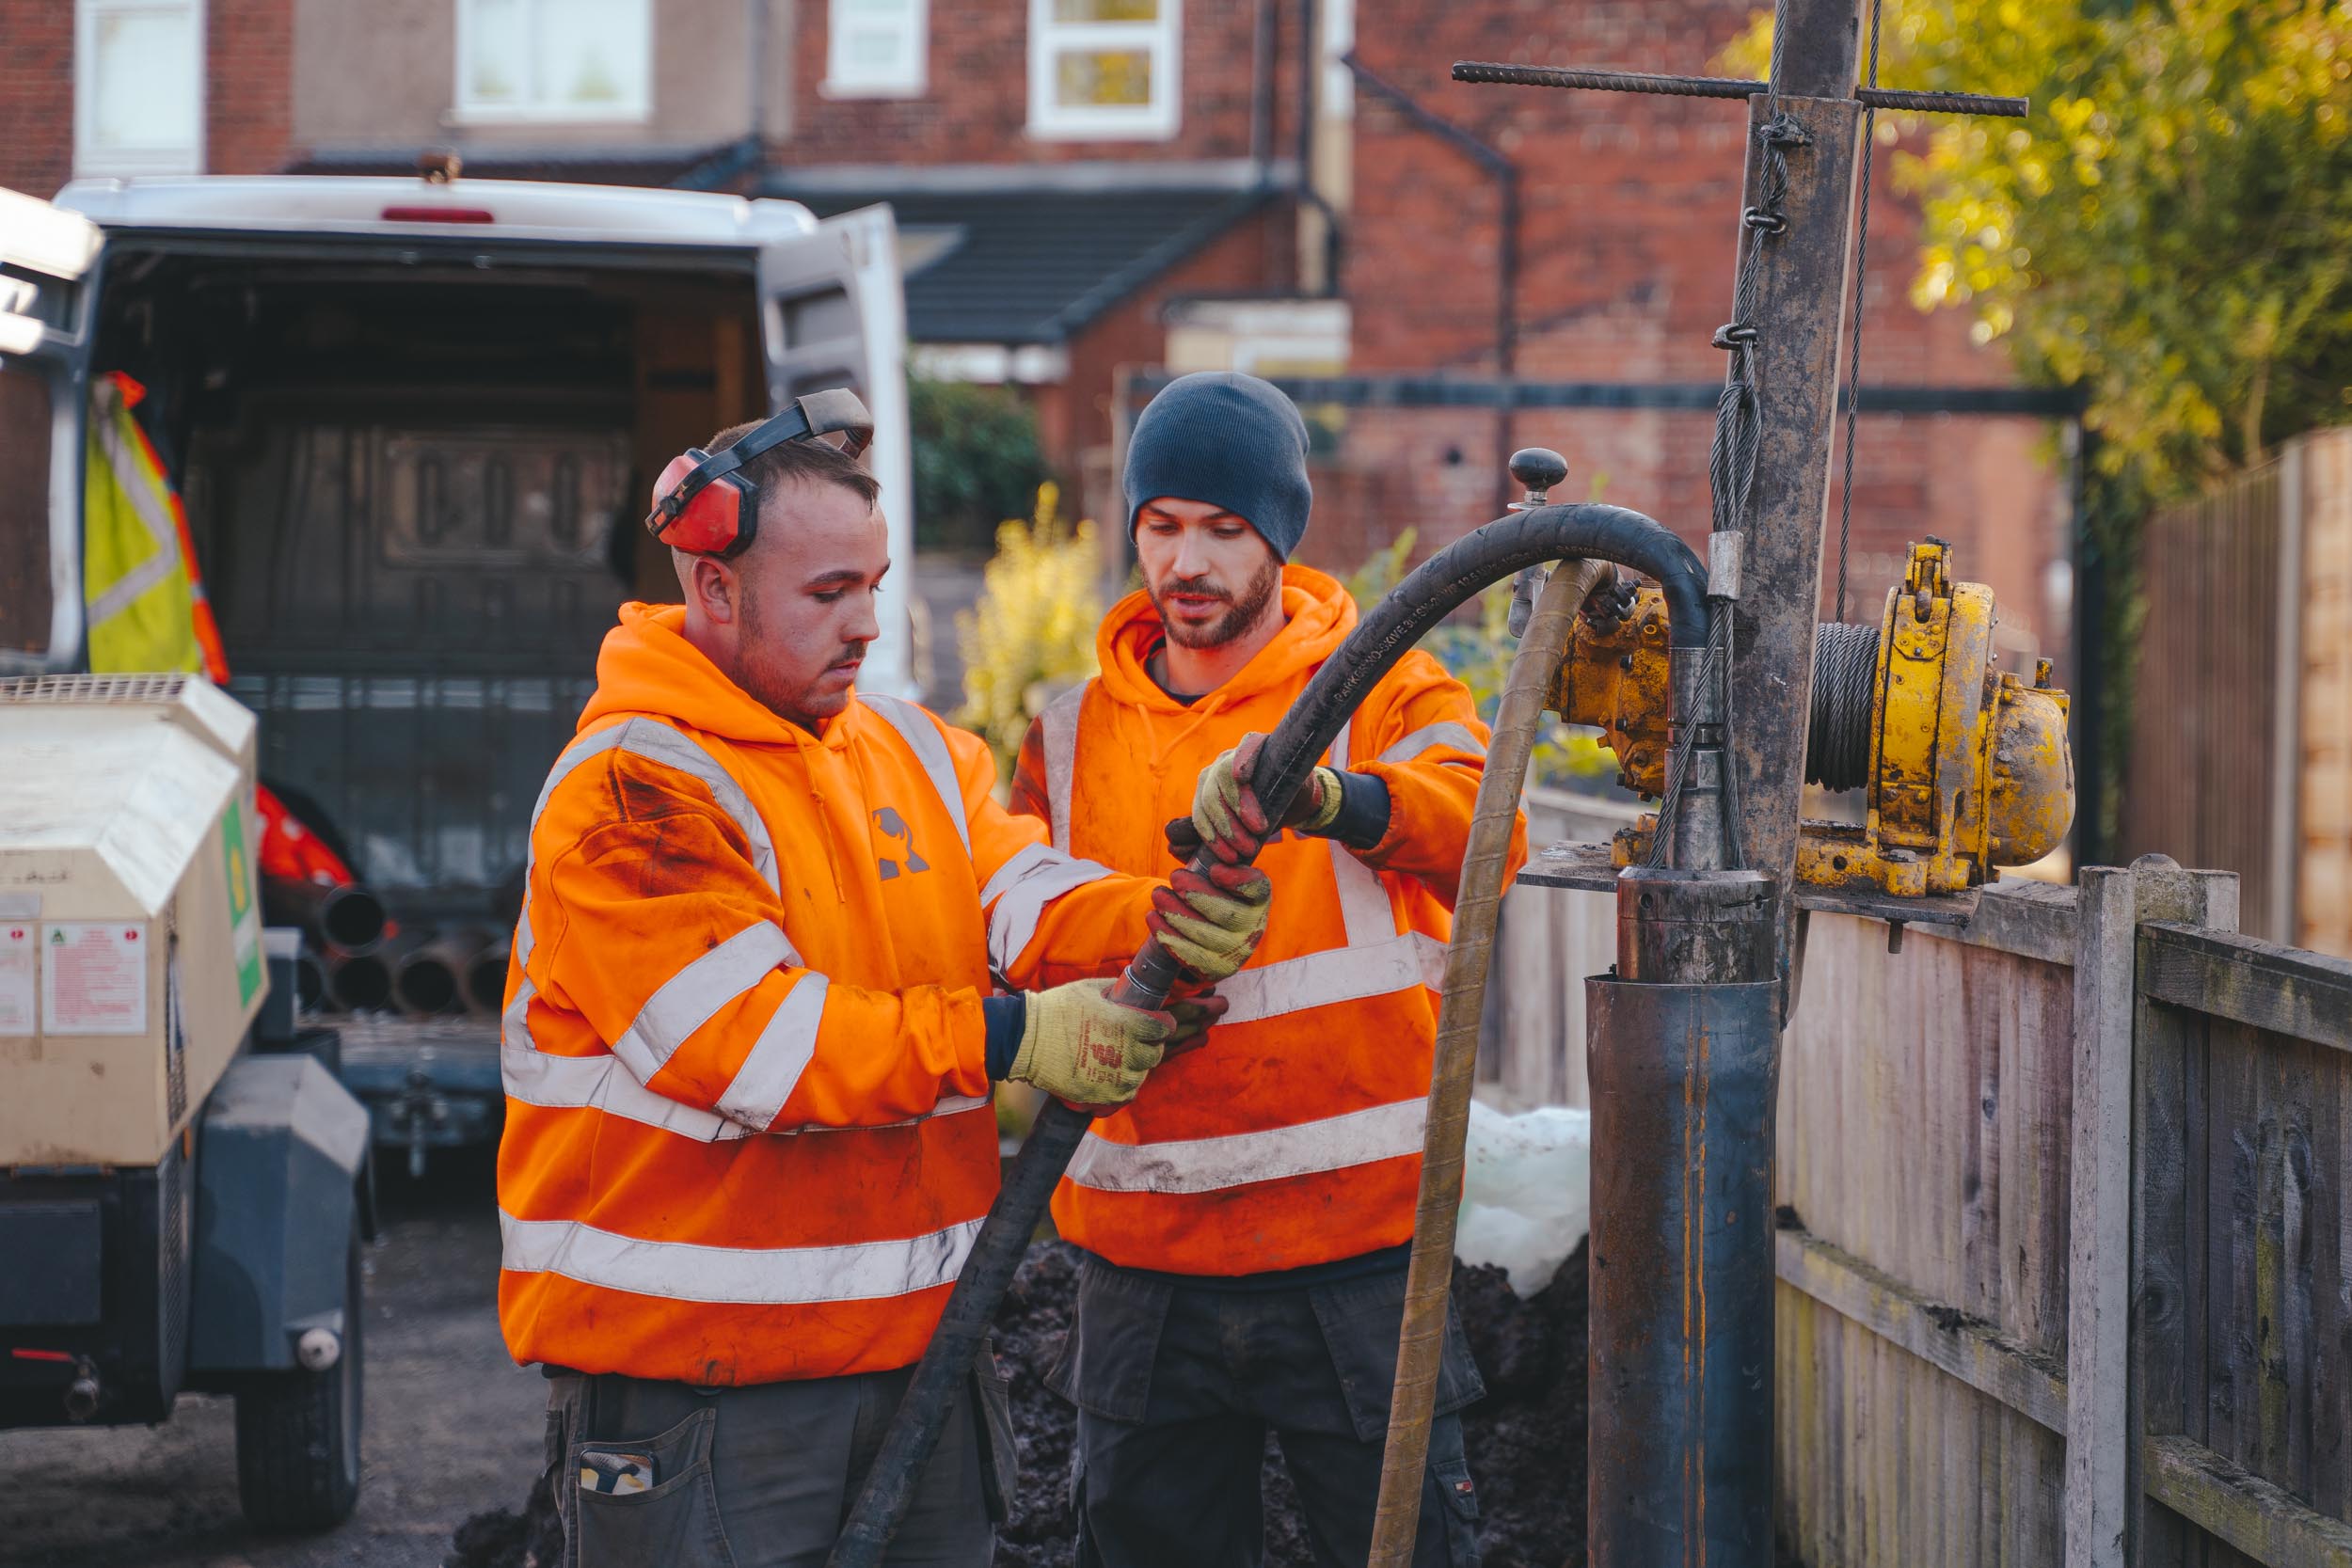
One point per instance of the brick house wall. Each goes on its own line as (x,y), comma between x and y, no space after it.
(248,86)
(975,111)
(249,90)
(1630,215)
(975,107)
(36,95)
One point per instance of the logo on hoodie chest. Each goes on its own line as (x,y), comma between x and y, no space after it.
(897,856)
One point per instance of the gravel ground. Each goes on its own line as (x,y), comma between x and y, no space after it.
(452,1426)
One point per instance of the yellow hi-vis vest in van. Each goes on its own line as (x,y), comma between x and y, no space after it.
(144,595)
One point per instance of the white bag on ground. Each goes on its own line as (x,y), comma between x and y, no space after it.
(1526,1192)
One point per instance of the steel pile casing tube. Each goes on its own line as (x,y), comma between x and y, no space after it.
(1681,1367)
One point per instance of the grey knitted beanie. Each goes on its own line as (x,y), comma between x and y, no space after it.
(1230,440)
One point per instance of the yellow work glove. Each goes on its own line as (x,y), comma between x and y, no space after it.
(1211,924)
(1081,1046)
(1226,812)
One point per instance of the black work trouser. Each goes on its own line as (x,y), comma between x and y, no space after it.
(1177,1387)
(763,1476)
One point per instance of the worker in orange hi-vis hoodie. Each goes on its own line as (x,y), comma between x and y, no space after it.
(1248,1217)
(752,1024)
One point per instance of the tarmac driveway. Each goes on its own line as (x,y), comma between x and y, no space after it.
(452,1426)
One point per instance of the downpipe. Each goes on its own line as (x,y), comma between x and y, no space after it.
(1439,586)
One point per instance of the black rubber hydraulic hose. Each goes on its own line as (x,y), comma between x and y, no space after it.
(1439,586)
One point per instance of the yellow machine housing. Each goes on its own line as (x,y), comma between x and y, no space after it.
(1968,767)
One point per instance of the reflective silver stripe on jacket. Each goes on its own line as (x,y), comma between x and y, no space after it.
(766,1276)
(1430,736)
(1059,726)
(693,996)
(1239,1159)
(921,734)
(1016,897)
(600,1082)
(656,741)
(786,1046)
(688,999)
(1377,959)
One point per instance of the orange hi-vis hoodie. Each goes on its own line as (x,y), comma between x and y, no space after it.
(749,1133)
(1292,1134)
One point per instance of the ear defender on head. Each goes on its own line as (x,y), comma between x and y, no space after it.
(710,506)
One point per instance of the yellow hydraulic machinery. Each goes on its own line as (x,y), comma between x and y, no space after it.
(1965,766)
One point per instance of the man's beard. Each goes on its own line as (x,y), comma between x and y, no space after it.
(1242,609)
(777,693)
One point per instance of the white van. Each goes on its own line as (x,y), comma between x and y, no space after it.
(414,423)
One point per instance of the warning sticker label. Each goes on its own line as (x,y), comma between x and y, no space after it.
(93,978)
(19,965)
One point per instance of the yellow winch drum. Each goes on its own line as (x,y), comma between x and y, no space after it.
(1966,767)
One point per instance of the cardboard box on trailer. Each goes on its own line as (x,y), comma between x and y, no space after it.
(131,957)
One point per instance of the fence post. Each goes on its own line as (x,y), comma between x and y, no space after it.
(2166,1106)
(2098,1353)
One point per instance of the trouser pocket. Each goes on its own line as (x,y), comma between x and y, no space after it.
(1106,1359)
(1453,1480)
(650,1500)
(1000,1455)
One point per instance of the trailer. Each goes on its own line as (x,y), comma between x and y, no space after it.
(183,1196)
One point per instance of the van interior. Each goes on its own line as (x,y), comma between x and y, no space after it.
(415,479)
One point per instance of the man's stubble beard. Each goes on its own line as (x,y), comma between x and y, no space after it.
(787,702)
(1241,613)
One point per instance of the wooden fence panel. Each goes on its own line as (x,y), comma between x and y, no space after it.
(1967,1286)
(2206,745)
(1925,1150)
(2324,838)
(2243,1252)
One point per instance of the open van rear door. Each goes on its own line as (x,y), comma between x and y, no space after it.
(48,272)
(836,314)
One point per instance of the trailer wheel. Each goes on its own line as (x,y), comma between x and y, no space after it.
(298,1434)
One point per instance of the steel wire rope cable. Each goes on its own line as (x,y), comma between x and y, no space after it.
(1435,590)
(1854,358)
(1421,1336)
(1845,655)
(1731,457)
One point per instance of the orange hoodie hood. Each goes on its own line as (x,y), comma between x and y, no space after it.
(1318,615)
(648,666)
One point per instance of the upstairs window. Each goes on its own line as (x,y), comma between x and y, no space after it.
(554,60)
(138,87)
(1104,68)
(877,47)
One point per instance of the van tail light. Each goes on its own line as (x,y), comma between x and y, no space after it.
(438,215)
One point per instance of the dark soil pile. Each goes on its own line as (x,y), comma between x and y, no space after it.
(1525,1438)
(504,1539)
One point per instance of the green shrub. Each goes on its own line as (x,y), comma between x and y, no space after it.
(977,460)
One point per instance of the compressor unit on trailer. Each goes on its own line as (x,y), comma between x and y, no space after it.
(180,1207)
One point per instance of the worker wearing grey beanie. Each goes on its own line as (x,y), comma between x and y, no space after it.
(1231,440)
(1244,1225)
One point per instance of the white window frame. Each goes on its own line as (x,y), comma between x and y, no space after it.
(1155,121)
(465,110)
(87,160)
(913,82)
